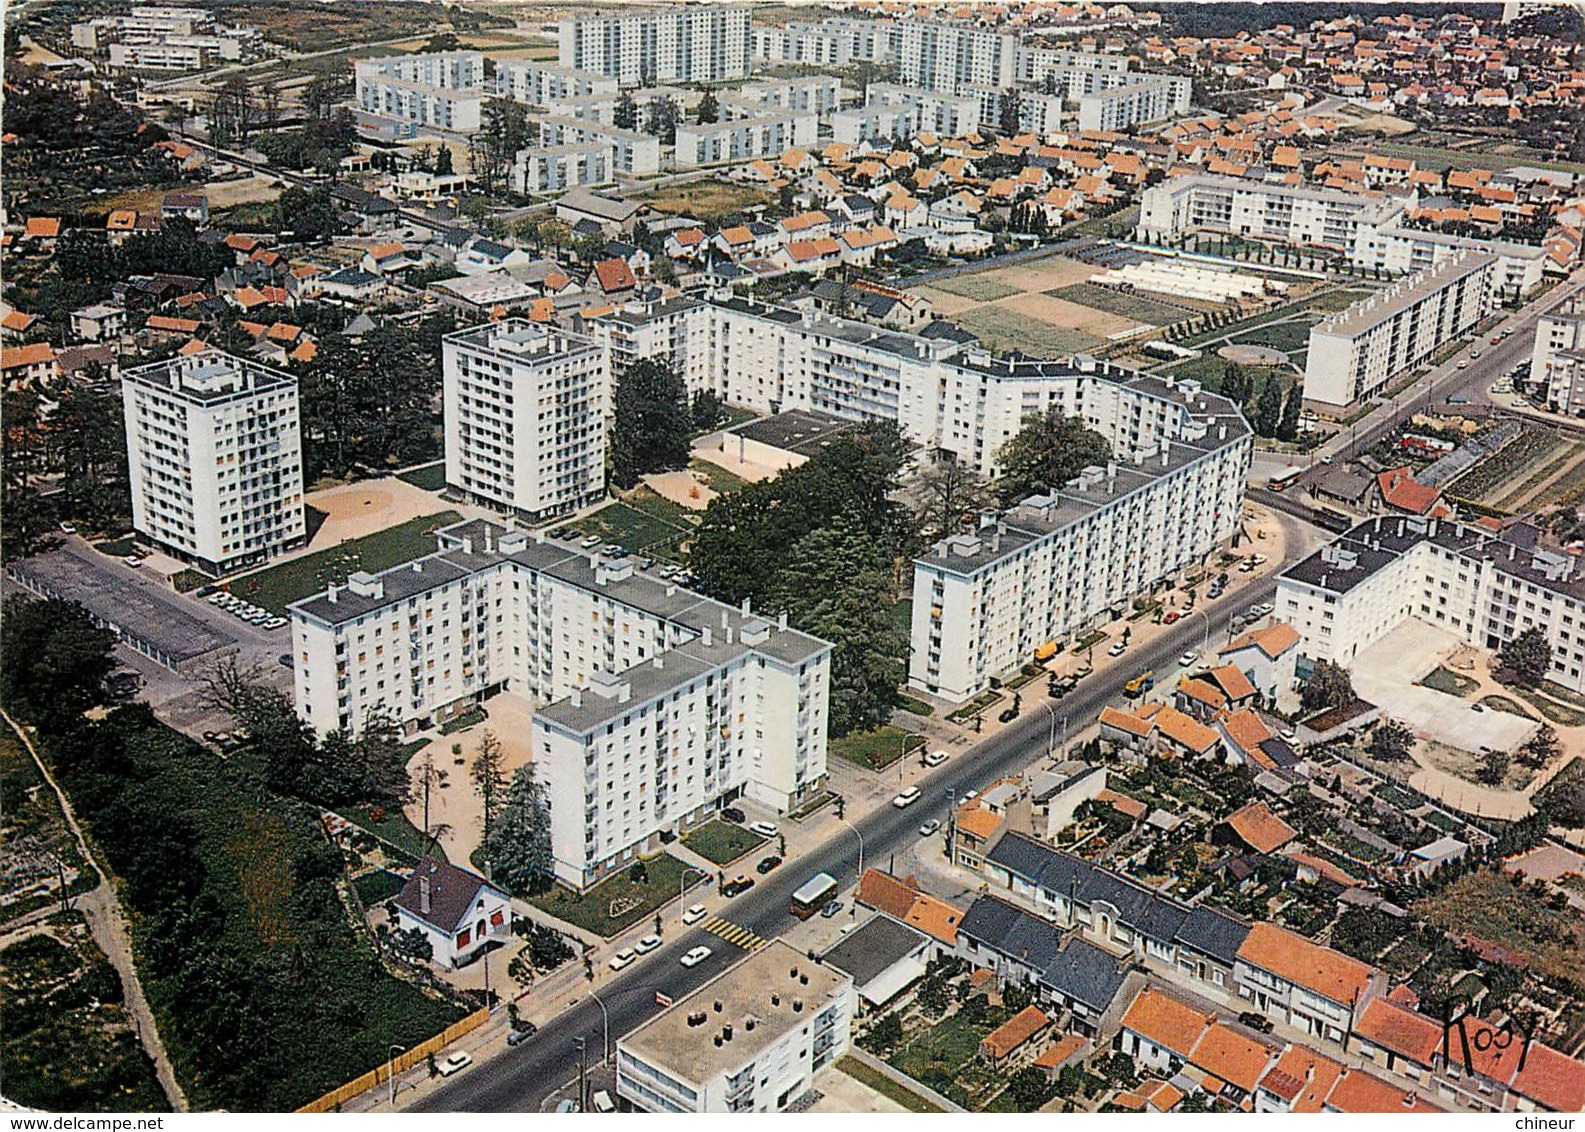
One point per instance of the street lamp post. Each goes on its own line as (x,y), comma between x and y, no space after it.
(682,889)
(390,1070)
(860,836)
(605,1017)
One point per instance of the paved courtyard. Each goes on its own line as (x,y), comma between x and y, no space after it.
(1385,674)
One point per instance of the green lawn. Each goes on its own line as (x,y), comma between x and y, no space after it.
(1441,679)
(980,288)
(1147,311)
(633,526)
(394,829)
(1003,331)
(722,841)
(276,587)
(430,477)
(720,481)
(378,887)
(876,748)
(1284,336)
(617,902)
(884,1085)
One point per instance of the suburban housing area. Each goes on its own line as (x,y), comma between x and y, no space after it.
(813,558)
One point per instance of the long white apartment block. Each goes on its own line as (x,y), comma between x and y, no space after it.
(830,43)
(762,133)
(214,458)
(948,57)
(693,44)
(1035,63)
(817,94)
(750,1040)
(1064,561)
(631,151)
(541,84)
(1150,98)
(1484,587)
(949,115)
(557,168)
(1037,113)
(1354,353)
(1399,250)
(175,53)
(654,706)
(1558,361)
(868,122)
(164,39)
(675,330)
(525,408)
(440,90)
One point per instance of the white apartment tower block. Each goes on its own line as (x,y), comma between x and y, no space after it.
(1558,363)
(655,705)
(947,57)
(1354,353)
(440,90)
(525,409)
(696,43)
(214,457)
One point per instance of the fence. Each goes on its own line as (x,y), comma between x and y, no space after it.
(382,1073)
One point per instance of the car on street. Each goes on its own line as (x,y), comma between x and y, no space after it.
(969,795)
(521,1033)
(737,886)
(696,956)
(1256,1021)
(1261,610)
(133,561)
(929,827)
(1463,363)
(764,829)
(766,864)
(936,758)
(1007,715)
(1189,659)
(1117,650)
(831,909)
(694,914)
(1171,618)
(623,958)
(647,944)
(456,1063)
(906,798)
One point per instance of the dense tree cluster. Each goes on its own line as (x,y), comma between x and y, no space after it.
(821,541)
(1530,656)
(1048,451)
(80,444)
(517,844)
(53,660)
(1328,686)
(651,421)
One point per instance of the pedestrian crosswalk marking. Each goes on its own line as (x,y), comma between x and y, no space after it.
(733,934)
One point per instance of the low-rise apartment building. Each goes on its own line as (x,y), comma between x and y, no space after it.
(948,115)
(1558,361)
(214,459)
(654,705)
(1482,586)
(631,151)
(1149,98)
(816,94)
(439,91)
(557,168)
(1355,353)
(543,84)
(750,1040)
(525,408)
(759,132)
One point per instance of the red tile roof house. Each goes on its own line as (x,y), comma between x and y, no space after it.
(458,911)
(1310,987)
(1004,1042)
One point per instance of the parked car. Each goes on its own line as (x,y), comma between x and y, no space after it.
(456,1063)
(766,864)
(1117,650)
(589,543)
(601,1101)
(68,528)
(696,956)
(733,814)
(1171,618)
(133,561)
(929,827)
(1189,660)
(737,886)
(831,909)
(936,758)
(1256,1021)
(764,829)
(623,958)
(906,798)
(694,914)
(521,1034)
(564,1107)
(647,944)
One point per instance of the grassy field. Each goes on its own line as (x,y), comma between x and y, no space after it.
(708,201)
(275,587)
(1492,907)
(1441,679)
(1135,307)
(885,1086)
(618,902)
(722,841)
(717,478)
(980,288)
(430,477)
(1437,158)
(68,1043)
(638,525)
(1284,336)
(877,748)
(1329,302)
(394,829)
(1003,331)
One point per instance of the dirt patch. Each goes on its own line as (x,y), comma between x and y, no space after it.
(682,488)
(363,508)
(1069,316)
(247,190)
(1253,355)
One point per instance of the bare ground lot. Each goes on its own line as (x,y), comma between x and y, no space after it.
(1012,308)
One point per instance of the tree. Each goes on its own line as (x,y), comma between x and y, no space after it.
(1048,451)
(660,119)
(709,109)
(1541,748)
(624,115)
(1029,1088)
(1009,111)
(443,162)
(492,149)
(950,490)
(1329,686)
(1493,767)
(1268,407)
(518,844)
(1529,655)
(307,215)
(1390,742)
(489,779)
(707,410)
(652,426)
(887,1033)
(53,660)
(1292,406)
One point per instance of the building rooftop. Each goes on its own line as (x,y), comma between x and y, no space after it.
(1382,306)
(757,1001)
(796,430)
(210,377)
(873,947)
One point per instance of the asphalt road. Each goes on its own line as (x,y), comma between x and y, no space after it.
(519,1079)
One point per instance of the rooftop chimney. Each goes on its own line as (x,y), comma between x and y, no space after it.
(423,896)
(708,637)
(330,593)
